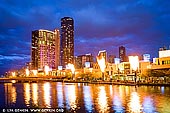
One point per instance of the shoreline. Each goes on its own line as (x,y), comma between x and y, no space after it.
(37,80)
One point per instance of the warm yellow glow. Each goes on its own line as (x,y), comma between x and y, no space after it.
(71,66)
(27,72)
(35,72)
(47,96)
(72,96)
(102,99)
(13,94)
(35,93)
(46,69)
(13,81)
(10,93)
(135,106)
(27,93)
(101,62)
(134,62)
(13,74)
(91,70)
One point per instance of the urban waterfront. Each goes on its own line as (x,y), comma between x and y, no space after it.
(83,97)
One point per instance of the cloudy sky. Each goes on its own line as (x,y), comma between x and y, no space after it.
(142,26)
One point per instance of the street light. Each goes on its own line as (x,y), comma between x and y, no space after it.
(134,63)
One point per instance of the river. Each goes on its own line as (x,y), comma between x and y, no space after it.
(86,98)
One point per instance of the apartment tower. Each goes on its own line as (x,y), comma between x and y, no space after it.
(67,41)
(45,49)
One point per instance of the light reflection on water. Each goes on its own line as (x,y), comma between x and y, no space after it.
(87,97)
(27,94)
(35,94)
(47,96)
(88,101)
(102,100)
(134,104)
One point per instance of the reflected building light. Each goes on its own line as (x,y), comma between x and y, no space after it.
(27,93)
(102,100)
(134,105)
(162,89)
(47,96)
(35,94)
(111,90)
(10,94)
(148,105)
(13,94)
(120,91)
(118,108)
(60,96)
(88,99)
(70,95)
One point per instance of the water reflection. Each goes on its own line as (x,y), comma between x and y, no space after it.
(60,95)
(148,106)
(70,94)
(102,99)
(88,98)
(11,94)
(47,97)
(134,105)
(35,93)
(27,94)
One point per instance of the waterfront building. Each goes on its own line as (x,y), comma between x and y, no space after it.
(146,57)
(163,62)
(67,41)
(111,58)
(122,54)
(83,61)
(45,49)
(104,54)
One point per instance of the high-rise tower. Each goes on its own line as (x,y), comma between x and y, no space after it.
(45,49)
(122,54)
(67,41)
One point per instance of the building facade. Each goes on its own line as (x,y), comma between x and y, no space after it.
(111,58)
(45,49)
(67,41)
(122,54)
(103,54)
(83,61)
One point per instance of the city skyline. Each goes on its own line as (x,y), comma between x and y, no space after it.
(141,26)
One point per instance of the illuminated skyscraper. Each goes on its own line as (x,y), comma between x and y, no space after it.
(122,54)
(67,41)
(104,54)
(45,49)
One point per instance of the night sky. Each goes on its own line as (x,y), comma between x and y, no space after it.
(142,26)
